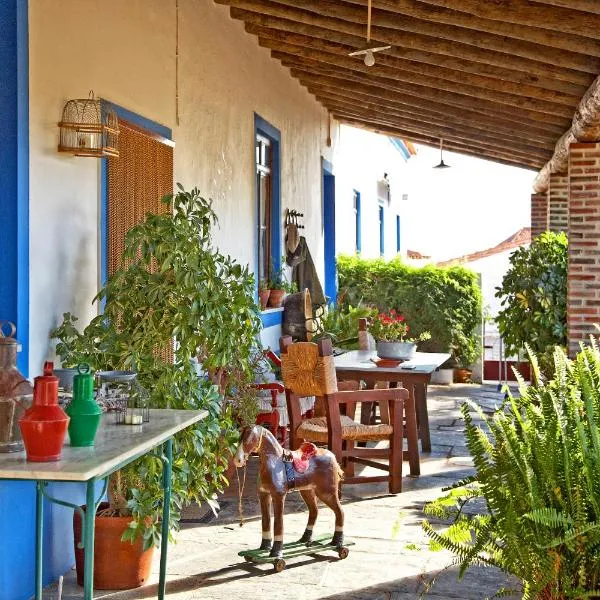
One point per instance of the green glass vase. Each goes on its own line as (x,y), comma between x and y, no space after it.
(83,410)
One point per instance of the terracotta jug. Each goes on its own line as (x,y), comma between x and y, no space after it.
(44,425)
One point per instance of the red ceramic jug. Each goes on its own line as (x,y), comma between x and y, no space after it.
(44,425)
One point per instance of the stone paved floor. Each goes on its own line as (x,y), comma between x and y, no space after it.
(390,561)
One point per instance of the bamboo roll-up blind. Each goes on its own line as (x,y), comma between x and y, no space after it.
(137,180)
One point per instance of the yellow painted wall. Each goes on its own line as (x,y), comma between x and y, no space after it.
(125,51)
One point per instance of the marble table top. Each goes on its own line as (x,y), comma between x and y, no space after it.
(362,360)
(115,444)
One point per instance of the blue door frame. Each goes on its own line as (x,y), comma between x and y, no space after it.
(329,231)
(381,231)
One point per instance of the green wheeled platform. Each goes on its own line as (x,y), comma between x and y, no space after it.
(319,544)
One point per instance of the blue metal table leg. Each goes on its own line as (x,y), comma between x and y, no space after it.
(167,459)
(39,537)
(88,540)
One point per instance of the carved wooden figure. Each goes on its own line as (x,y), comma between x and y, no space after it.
(316,475)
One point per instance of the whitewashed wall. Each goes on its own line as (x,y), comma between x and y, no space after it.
(361,159)
(125,52)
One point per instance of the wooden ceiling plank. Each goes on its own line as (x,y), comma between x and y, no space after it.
(525,12)
(318,59)
(293,32)
(416,104)
(591,6)
(331,53)
(383,22)
(408,39)
(528,33)
(427,94)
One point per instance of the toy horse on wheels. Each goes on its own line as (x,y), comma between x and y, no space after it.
(312,471)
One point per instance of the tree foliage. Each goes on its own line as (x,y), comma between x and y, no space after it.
(444,301)
(538,471)
(175,299)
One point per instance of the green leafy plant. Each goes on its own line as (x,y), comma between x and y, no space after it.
(538,473)
(534,298)
(278,281)
(445,301)
(263,284)
(392,327)
(340,323)
(175,301)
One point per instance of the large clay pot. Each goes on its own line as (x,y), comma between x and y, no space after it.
(117,565)
(396,350)
(462,375)
(276,298)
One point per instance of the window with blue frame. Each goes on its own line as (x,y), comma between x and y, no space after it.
(357,227)
(267,144)
(381,231)
(397,233)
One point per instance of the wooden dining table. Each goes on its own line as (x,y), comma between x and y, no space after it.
(413,374)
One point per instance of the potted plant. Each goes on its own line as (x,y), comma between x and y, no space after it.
(390,331)
(280,286)
(264,291)
(174,302)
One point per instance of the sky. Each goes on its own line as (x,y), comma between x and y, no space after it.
(471,206)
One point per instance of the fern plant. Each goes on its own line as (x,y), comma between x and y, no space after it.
(538,472)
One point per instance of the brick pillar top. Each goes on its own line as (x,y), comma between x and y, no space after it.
(539,214)
(558,202)
(583,296)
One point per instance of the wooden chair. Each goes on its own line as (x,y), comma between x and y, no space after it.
(308,369)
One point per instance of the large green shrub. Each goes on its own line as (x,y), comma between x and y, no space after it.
(538,471)
(446,301)
(174,290)
(534,298)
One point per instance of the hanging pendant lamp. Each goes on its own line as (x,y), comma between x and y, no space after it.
(442,164)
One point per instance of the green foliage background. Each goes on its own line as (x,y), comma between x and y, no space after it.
(534,298)
(446,301)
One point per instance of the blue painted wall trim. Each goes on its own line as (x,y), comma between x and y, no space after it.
(358,225)
(381,230)
(397,233)
(14,171)
(148,125)
(329,231)
(267,130)
(270,318)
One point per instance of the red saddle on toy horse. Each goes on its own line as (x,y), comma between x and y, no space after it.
(300,458)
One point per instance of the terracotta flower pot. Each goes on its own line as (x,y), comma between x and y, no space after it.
(276,298)
(263,297)
(462,375)
(117,565)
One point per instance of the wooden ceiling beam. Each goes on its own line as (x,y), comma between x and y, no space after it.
(315,58)
(385,23)
(472,130)
(450,146)
(336,54)
(447,133)
(409,39)
(590,6)
(296,32)
(416,105)
(544,140)
(527,33)
(525,12)
(439,96)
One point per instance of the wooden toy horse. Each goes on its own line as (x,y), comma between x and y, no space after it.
(277,477)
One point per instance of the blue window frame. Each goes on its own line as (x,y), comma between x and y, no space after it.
(381,231)
(357,225)
(397,233)
(267,140)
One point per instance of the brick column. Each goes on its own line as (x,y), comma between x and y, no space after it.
(583,296)
(558,202)
(539,214)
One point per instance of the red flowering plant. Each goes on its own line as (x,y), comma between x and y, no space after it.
(392,327)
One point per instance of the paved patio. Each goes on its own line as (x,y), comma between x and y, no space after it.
(390,560)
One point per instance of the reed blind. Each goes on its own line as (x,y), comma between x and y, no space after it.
(137,180)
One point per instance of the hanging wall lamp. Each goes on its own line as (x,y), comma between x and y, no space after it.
(442,164)
(89,127)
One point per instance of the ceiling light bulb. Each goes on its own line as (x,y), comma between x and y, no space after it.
(369,58)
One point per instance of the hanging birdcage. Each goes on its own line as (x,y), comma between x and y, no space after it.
(89,127)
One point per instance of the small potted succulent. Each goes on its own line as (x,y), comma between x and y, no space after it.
(264,291)
(390,331)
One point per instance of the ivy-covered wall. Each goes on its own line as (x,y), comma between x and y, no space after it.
(446,301)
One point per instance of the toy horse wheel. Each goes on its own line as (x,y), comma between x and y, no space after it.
(343,552)
(279,565)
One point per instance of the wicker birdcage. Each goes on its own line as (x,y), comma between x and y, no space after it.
(89,127)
